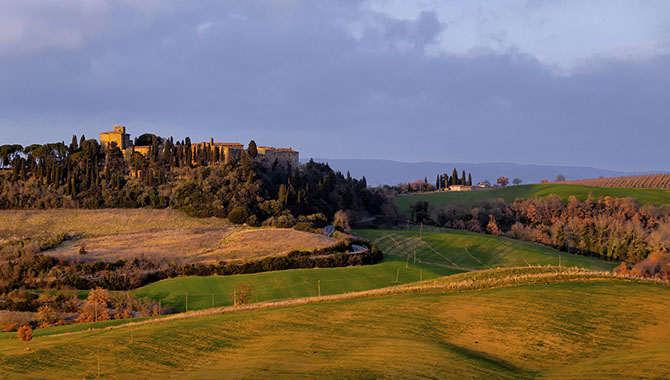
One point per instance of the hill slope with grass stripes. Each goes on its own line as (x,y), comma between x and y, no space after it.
(465,250)
(203,292)
(541,324)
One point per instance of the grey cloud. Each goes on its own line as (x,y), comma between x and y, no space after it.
(299,77)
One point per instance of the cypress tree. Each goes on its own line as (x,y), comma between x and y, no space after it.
(437,182)
(252,149)
(469,179)
(73,187)
(282,196)
(454,177)
(463,180)
(188,157)
(73,144)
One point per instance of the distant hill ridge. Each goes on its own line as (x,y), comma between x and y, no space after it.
(650,181)
(387,172)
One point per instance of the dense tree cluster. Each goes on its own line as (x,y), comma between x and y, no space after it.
(25,307)
(179,175)
(442,181)
(656,265)
(610,228)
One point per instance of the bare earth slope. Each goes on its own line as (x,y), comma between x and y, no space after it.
(114,234)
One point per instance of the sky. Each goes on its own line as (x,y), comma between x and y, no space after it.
(533,82)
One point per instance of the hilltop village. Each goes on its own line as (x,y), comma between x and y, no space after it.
(266,156)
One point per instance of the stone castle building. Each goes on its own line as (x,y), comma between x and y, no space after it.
(120,137)
(229,151)
(285,157)
(267,156)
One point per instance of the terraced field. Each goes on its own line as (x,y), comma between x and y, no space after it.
(586,328)
(472,251)
(510,193)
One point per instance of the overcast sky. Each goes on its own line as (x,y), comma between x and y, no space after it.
(546,82)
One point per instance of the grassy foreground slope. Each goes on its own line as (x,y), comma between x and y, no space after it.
(587,329)
(511,193)
(473,251)
(294,283)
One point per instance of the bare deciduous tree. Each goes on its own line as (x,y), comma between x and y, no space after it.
(25,334)
(241,294)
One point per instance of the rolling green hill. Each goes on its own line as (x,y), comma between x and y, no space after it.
(441,252)
(285,284)
(510,193)
(587,328)
(472,251)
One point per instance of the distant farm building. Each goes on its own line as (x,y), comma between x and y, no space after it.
(460,188)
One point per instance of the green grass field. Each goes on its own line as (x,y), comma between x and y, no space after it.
(473,251)
(511,193)
(286,284)
(587,329)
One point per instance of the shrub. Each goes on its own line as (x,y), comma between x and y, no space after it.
(341,221)
(238,215)
(25,333)
(306,227)
(282,221)
(12,320)
(48,317)
(252,221)
(241,294)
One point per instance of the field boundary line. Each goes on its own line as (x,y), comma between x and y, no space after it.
(558,276)
(479,261)
(456,266)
